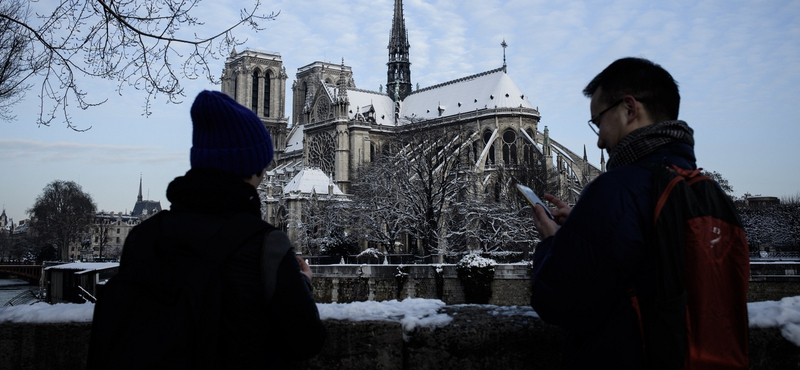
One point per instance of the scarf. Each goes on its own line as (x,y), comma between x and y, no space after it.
(643,141)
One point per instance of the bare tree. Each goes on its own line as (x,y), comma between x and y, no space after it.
(497,221)
(322,226)
(103,227)
(150,45)
(23,249)
(430,177)
(17,61)
(62,215)
(723,182)
(381,214)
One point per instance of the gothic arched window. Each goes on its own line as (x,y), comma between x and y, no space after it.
(487,135)
(267,89)
(510,147)
(235,85)
(254,98)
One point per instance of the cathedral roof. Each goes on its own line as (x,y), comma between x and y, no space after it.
(310,180)
(487,90)
(362,100)
(492,89)
(295,140)
(148,207)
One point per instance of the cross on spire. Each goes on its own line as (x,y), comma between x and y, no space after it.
(504,45)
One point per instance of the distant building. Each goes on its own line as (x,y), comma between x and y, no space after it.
(22,227)
(6,224)
(145,208)
(107,236)
(110,229)
(761,201)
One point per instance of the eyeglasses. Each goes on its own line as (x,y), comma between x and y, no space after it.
(594,123)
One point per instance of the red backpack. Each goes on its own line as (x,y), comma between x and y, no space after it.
(697,317)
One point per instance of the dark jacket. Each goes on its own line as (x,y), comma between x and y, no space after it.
(583,274)
(248,332)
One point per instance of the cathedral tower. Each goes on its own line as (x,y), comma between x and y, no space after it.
(257,80)
(398,81)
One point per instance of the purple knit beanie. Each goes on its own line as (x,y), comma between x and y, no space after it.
(228,136)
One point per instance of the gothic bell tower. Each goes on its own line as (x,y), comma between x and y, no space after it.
(398,81)
(257,80)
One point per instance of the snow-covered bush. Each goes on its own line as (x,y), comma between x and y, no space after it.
(370,255)
(772,227)
(476,274)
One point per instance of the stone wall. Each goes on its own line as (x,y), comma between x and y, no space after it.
(511,285)
(352,283)
(479,337)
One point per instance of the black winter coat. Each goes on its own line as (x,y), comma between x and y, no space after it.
(251,332)
(583,274)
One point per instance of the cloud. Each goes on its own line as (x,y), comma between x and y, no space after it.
(23,152)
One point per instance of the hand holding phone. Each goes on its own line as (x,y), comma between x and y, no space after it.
(533,199)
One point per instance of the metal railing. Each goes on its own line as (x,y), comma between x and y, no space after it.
(83,293)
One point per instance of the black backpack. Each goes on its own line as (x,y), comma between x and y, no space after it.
(162,309)
(698,316)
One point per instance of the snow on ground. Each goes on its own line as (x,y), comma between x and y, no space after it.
(46,313)
(411,313)
(783,314)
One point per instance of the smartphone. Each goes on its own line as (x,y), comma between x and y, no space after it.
(533,199)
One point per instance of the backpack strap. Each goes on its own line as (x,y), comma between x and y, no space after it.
(276,245)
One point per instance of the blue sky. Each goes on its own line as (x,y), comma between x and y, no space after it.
(737,64)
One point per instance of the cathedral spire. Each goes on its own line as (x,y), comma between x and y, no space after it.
(504,45)
(139,198)
(342,85)
(399,64)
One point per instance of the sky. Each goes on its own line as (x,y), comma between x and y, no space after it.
(737,64)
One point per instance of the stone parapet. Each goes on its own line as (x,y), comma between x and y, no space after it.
(353,283)
(511,285)
(479,337)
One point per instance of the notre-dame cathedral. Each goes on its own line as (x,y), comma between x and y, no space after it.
(337,127)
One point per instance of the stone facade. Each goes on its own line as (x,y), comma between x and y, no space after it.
(338,128)
(107,236)
(257,80)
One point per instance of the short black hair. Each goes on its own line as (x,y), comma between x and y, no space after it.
(648,82)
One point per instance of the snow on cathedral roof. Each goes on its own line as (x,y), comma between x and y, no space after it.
(295,140)
(362,100)
(310,180)
(487,90)
(481,91)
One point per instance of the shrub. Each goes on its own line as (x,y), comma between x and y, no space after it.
(476,274)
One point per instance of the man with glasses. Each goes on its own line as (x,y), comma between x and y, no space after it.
(592,255)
